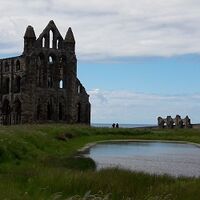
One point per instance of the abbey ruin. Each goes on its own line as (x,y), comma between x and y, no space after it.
(177,122)
(41,85)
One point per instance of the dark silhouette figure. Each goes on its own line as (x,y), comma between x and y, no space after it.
(113,125)
(117,125)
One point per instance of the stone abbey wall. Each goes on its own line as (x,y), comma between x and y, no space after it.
(41,85)
(177,122)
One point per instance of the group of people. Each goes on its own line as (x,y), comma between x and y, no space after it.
(115,125)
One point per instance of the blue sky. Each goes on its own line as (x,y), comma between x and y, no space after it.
(137,59)
(155,86)
(159,75)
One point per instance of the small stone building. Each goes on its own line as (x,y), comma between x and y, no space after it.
(41,85)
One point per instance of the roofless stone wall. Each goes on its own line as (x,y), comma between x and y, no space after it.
(177,122)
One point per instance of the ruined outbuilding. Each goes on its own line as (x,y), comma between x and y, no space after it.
(41,85)
(177,122)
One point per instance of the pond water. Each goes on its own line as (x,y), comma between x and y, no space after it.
(175,159)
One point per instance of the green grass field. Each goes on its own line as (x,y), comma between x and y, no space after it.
(35,164)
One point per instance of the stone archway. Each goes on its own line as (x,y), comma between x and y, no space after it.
(50,109)
(6,119)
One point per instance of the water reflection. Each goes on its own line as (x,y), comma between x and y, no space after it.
(152,157)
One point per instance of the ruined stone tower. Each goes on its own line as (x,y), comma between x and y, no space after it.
(41,85)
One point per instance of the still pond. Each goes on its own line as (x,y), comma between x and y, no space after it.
(175,159)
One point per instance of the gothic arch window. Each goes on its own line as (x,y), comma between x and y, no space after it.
(43,42)
(57,44)
(17,65)
(79,89)
(50,59)
(61,84)
(50,39)
(6,112)
(18,84)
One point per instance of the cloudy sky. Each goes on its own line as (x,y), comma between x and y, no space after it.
(137,59)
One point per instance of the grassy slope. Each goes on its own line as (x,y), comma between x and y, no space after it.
(36,165)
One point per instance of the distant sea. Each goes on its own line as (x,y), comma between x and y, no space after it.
(122,125)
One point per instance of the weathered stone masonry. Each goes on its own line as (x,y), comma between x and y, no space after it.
(41,85)
(177,122)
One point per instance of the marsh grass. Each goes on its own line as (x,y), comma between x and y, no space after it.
(34,164)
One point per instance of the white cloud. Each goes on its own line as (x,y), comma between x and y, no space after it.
(132,107)
(106,29)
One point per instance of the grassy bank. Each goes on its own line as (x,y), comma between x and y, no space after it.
(36,162)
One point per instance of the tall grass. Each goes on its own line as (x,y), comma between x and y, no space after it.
(35,164)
